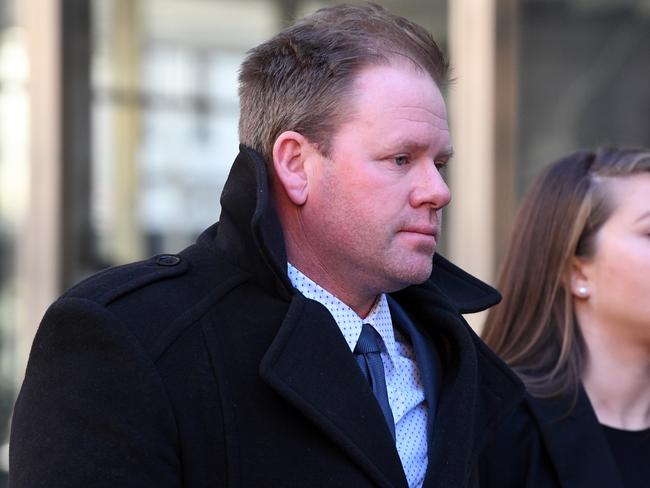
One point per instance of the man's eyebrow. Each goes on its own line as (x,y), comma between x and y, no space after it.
(447,153)
(410,145)
(415,146)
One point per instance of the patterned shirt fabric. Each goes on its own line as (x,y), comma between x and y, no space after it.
(403,381)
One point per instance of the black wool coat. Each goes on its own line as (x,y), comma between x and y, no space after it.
(550,443)
(207,369)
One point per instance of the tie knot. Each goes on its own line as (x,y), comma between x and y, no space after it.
(367,342)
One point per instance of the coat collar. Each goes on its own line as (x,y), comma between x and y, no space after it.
(250,233)
(249,229)
(575,442)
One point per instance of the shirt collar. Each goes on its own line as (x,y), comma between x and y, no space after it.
(348,321)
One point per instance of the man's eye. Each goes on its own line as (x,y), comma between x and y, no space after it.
(401,160)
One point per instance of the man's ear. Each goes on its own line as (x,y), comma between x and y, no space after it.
(580,284)
(290,152)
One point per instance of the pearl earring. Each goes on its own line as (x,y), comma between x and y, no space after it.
(583,291)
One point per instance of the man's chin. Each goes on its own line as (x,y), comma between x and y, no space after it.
(412,276)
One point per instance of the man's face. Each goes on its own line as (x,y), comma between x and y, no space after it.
(372,216)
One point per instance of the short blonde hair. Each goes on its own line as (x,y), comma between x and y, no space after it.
(301,79)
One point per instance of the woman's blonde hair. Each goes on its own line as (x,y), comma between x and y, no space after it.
(534,328)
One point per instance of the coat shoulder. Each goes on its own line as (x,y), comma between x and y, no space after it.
(113,283)
(163,293)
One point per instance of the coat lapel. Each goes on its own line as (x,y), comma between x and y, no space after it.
(310,365)
(453,438)
(427,360)
(576,443)
(476,392)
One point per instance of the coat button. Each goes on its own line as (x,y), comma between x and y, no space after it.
(167,260)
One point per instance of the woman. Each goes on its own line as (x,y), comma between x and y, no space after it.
(575,325)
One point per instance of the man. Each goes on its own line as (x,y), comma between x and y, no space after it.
(306,339)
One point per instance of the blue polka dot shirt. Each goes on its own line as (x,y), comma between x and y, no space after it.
(403,381)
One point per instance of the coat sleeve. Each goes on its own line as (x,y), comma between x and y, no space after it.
(92,410)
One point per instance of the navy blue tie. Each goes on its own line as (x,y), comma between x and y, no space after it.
(367,354)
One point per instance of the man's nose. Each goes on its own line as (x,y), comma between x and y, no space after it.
(430,188)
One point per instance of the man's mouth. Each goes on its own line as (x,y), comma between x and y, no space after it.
(425,230)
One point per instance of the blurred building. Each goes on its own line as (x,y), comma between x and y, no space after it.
(118,124)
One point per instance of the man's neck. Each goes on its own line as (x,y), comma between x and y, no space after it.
(335,280)
(362,305)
